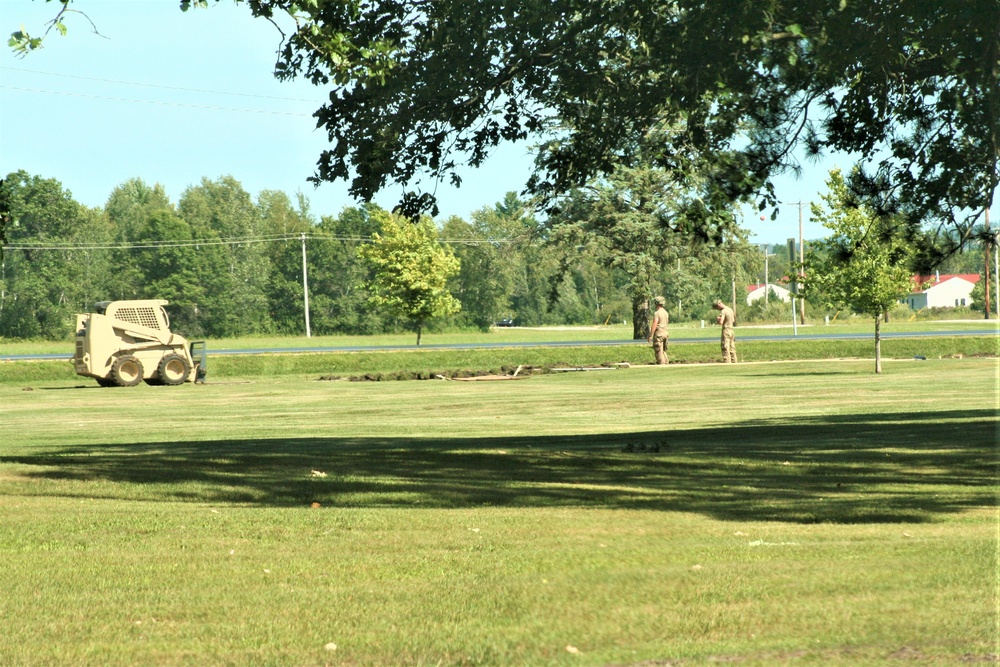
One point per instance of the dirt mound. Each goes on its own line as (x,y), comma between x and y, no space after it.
(502,373)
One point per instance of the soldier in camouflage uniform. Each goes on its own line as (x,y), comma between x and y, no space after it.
(658,335)
(727,318)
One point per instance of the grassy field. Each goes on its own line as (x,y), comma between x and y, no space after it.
(804,512)
(516,335)
(430,361)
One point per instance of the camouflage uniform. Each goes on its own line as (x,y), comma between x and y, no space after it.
(727,318)
(658,332)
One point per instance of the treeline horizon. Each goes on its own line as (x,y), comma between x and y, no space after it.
(231,265)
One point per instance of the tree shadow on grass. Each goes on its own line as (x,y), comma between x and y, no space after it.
(841,469)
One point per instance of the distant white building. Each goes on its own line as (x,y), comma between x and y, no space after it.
(942,291)
(757,291)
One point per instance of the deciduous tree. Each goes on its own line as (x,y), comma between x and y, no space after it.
(491,250)
(419,88)
(411,270)
(863,264)
(340,283)
(637,215)
(222,213)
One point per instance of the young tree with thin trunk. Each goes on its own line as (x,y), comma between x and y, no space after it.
(863,264)
(411,270)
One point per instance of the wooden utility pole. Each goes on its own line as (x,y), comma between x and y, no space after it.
(996,265)
(986,273)
(305,286)
(802,264)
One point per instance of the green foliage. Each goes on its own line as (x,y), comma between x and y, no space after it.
(978,294)
(632,218)
(864,264)
(635,223)
(234,263)
(420,88)
(21,43)
(411,270)
(493,251)
(774,311)
(41,288)
(232,266)
(283,222)
(338,280)
(413,94)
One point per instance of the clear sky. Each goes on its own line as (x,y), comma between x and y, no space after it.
(171,97)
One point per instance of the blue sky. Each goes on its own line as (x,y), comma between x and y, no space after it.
(171,97)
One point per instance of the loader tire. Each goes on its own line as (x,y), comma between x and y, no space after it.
(126,371)
(174,369)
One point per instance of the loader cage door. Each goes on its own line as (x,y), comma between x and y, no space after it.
(199,355)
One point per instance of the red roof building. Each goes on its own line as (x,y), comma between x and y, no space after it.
(949,290)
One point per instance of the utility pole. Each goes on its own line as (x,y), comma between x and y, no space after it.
(732,266)
(767,279)
(802,261)
(986,272)
(801,269)
(305,284)
(734,293)
(678,275)
(996,262)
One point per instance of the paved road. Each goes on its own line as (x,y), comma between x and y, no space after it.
(742,336)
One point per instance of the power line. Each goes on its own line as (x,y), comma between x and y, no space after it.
(231,241)
(154,102)
(164,87)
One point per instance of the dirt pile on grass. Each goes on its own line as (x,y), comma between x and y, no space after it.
(504,372)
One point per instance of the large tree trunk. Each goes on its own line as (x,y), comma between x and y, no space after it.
(420,326)
(878,344)
(640,318)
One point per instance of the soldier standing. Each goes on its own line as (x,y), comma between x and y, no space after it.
(658,335)
(726,318)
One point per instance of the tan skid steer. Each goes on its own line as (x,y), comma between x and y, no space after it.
(126,342)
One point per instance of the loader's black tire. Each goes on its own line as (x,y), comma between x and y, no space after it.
(126,371)
(174,369)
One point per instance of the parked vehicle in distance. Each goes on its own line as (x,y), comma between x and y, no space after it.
(123,343)
(506,322)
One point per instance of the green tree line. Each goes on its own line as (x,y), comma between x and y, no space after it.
(231,264)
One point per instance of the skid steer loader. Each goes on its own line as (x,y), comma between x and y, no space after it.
(126,342)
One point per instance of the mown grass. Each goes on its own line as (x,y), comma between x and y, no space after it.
(517,335)
(787,513)
(432,360)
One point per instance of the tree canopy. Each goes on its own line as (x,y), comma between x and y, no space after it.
(411,270)
(719,94)
(863,264)
(630,215)
(61,257)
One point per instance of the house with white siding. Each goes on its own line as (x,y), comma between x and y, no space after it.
(757,291)
(942,291)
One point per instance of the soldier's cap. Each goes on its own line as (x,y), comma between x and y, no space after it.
(660,301)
